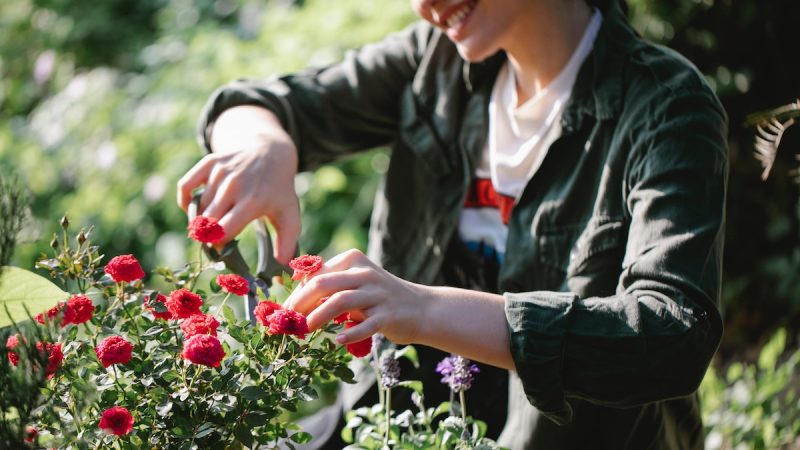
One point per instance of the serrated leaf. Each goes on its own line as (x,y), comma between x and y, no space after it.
(227,313)
(21,288)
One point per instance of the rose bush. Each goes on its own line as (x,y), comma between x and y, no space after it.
(134,368)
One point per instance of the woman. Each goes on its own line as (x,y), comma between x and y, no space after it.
(593,166)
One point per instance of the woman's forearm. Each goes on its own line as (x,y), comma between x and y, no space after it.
(469,323)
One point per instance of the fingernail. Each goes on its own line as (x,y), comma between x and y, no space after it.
(340,338)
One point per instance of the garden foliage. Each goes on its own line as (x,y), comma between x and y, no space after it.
(98,102)
(128,368)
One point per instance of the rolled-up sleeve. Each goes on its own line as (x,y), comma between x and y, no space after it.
(653,339)
(335,110)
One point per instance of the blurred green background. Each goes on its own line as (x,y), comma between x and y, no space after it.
(99,100)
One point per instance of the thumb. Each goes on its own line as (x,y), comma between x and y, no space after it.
(287,231)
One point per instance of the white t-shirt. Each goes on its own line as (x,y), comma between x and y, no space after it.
(519,137)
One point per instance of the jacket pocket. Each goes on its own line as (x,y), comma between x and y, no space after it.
(585,259)
(598,246)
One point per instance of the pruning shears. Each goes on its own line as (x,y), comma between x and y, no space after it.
(267,268)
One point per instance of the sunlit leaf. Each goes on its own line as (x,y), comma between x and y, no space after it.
(20,289)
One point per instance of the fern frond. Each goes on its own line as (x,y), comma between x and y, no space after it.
(768,139)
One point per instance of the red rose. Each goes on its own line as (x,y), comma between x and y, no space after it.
(30,433)
(199,324)
(11,343)
(124,268)
(161,298)
(184,303)
(79,309)
(234,284)
(361,348)
(305,265)
(265,309)
(203,349)
(287,321)
(206,230)
(116,420)
(52,313)
(54,356)
(341,318)
(114,350)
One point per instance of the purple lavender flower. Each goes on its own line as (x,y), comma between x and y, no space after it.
(390,370)
(457,372)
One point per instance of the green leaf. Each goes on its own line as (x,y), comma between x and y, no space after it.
(410,353)
(479,429)
(253,393)
(204,430)
(256,419)
(345,374)
(414,385)
(301,437)
(227,313)
(307,394)
(768,358)
(347,435)
(215,288)
(443,408)
(21,288)
(243,434)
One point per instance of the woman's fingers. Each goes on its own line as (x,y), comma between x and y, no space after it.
(287,231)
(195,177)
(325,283)
(339,303)
(360,331)
(215,178)
(233,220)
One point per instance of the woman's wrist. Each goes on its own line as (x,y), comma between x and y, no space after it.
(470,323)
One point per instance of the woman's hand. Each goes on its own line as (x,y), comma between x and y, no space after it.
(249,175)
(469,323)
(380,301)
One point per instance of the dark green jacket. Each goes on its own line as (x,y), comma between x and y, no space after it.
(612,271)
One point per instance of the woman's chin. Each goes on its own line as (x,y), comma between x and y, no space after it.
(474,54)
